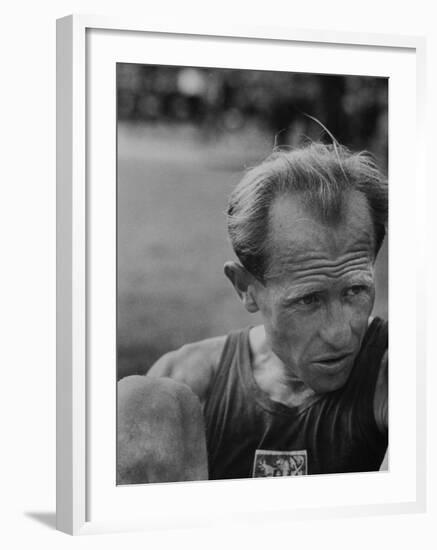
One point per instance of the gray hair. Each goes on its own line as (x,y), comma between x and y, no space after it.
(321,174)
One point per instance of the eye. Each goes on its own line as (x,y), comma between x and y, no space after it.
(355,290)
(309,300)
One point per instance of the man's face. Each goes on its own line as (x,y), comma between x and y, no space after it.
(319,290)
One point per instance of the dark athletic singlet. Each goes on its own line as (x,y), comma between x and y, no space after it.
(248,434)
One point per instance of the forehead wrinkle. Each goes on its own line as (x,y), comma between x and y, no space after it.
(295,263)
(348,270)
(304,258)
(294,236)
(324,271)
(313,240)
(333,265)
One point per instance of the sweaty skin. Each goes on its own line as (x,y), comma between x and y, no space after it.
(317,299)
(315,305)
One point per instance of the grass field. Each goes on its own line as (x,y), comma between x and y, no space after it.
(172,243)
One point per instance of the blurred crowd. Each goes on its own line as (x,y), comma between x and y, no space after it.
(218,101)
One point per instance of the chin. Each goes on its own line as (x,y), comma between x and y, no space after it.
(327,383)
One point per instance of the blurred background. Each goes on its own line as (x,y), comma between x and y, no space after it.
(185,135)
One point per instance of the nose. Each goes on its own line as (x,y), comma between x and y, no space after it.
(336,330)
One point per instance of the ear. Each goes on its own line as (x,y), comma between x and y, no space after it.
(244,284)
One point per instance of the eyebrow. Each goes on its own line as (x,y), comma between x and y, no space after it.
(301,291)
(304,289)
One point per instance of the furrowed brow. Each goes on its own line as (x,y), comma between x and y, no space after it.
(302,290)
(361,278)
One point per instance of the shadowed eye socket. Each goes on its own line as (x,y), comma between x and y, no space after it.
(309,299)
(356,290)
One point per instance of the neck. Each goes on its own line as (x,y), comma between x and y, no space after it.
(272,376)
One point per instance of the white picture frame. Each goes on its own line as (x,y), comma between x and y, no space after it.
(79,487)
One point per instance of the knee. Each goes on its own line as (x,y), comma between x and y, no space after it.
(141,397)
(155,425)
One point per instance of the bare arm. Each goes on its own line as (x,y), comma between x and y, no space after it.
(193,364)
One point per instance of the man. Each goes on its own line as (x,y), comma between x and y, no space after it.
(309,385)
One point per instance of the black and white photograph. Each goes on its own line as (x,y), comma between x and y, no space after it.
(218,266)
(252,274)
(280,463)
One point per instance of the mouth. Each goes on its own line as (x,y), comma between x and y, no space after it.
(333,364)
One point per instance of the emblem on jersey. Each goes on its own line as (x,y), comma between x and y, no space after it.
(280,463)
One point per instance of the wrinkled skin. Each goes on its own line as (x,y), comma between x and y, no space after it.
(319,291)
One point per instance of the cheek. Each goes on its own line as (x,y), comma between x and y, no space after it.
(279,325)
(292,332)
(360,310)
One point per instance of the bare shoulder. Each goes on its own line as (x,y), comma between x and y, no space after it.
(193,364)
